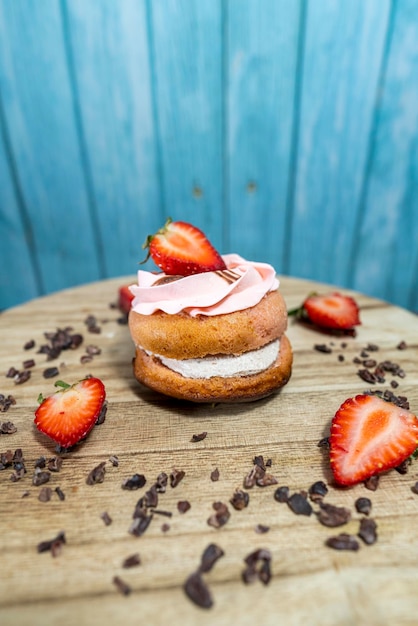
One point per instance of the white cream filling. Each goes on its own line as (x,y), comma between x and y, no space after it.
(252,362)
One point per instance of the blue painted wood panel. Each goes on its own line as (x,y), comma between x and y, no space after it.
(387,257)
(286,129)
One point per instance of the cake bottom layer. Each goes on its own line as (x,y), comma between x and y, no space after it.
(150,371)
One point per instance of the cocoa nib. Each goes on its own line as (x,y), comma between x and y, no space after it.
(176,477)
(282,494)
(121,586)
(199,437)
(257,567)
(6,402)
(332,516)
(209,557)
(131,561)
(240,499)
(221,515)
(183,506)
(363,505)
(317,491)
(136,481)
(197,591)
(343,541)
(7,428)
(299,504)
(368,531)
(214,476)
(106,518)
(97,474)
(372,483)
(52,545)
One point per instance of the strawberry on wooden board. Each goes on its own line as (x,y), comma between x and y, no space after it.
(332,310)
(179,248)
(125,298)
(69,414)
(369,436)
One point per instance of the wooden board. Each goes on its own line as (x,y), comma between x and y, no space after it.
(311,583)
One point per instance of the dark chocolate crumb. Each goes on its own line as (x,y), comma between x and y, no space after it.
(363,505)
(7,428)
(140,524)
(414,488)
(161,512)
(134,482)
(317,491)
(102,415)
(51,372)
(114,460)
(197,591)
(52,545)
(165,528)
(6,402)
(12,372)
(93,350)
(333,516)
(372,483)
(368,531)
(214,476)
(176,477)
(40,477)
(22,377)
(55,464)
(28,363)
(183,506)
(281,494)
(221,515)
(199,437)
(132,561)
(60,493)
(261,529)
(257,567)
(402,345)
(322,347)
(323,443)
(403,468)
(97,474)
(209,557)
(29,344)
(121,586)
(266,480)
(45,494)
(343,541)
(240,499)
(298,503)
(106,518)
(341,358)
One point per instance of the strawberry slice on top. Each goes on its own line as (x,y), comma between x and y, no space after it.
(69,414)
(332,310)
(369,436)
(179,248)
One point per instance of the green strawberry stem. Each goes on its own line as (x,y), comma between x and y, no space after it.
(62,384)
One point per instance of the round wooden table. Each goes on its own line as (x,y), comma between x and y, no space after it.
(150,434)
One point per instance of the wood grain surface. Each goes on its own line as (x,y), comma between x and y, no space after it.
(310,584)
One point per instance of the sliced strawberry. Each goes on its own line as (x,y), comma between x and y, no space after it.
(125,298)
(369,436)
(179,248)
(332,310)
(69,414)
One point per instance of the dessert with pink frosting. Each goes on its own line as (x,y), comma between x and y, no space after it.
(214,332)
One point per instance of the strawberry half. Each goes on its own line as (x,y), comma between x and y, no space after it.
(369,436)
(125,298)
(332,310)
(179,248)
(69,414)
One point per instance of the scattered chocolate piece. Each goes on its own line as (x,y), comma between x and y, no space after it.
(214,476)
(199,437)
(257,566)
(402,345)
(28,363)
(148,500)
(6,402)
(394,384)
(176,477)
(102,415)
(323,443)
(261,529)
(165,528)
(403,468)
(25,494)
(197,591)
(161,482)
(161,512)
(368,531)
(60,493)
(52,545)
(259,461)
(343,541)
(92,324)
(140,523)
(299,504)
(106,518)
(85,358)
(209,557)
(22,377)
(221,515)
(40,477)
(183,506)
(322,348)
(51,372)
(40,463)
(93,350)
(29,344)
(332,516)
(255,474)
(414,488)
(341,358)
(7,428)
(55,464)
(45,494)
(132,561)
(240,499)
(282,494)
(97,474)
(317,491)
(12,372)
(114,460)
(367,376)
(121,586)
(134,482)
(363,505)
(372,483)
(372,347)
(266,480)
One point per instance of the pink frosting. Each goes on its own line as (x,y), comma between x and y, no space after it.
(241,286)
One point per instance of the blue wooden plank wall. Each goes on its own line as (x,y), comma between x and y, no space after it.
(286,129)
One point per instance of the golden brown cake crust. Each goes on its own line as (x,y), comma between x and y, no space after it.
(149,371)
(184,337)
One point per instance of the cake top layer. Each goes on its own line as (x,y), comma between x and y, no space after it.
(240,286)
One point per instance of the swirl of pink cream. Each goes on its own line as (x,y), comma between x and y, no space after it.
(242,285)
